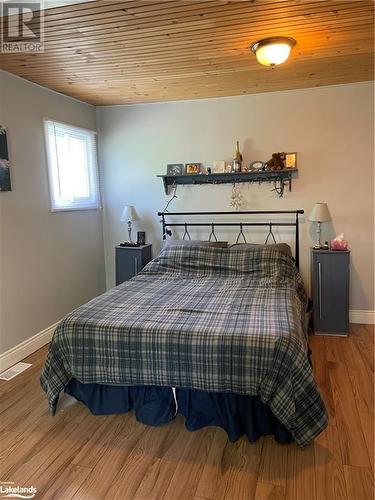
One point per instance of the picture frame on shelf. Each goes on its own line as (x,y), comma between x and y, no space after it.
(218,167)
(192,168)
(175,169)
(290,160)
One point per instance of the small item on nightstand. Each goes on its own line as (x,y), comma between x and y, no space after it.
(141,238)
(326,246)
(129,244)
(339,243)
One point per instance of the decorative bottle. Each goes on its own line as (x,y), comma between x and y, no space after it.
(237,160)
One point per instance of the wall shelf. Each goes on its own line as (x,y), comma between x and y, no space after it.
(284,176)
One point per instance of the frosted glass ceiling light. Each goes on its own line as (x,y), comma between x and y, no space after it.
(273,51)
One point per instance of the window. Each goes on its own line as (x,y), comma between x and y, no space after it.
(72,167)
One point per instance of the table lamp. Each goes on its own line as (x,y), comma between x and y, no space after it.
(129,215)
(319,214)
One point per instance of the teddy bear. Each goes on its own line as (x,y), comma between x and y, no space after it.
(277,162)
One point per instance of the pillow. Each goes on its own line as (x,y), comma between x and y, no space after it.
(195,243)
(285,248)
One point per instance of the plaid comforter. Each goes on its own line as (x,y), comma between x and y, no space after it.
(219,320)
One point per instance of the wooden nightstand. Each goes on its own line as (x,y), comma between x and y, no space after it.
(330,291)
(131,260)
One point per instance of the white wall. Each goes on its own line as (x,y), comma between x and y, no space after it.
(50,263)
(331,128)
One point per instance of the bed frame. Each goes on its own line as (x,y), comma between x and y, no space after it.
(291,223)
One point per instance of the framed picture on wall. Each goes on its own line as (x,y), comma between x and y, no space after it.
(290,160)
(5,184)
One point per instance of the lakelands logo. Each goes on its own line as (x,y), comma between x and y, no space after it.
(11,490)
(22,26)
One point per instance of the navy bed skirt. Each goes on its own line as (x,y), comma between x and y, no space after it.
(154,405)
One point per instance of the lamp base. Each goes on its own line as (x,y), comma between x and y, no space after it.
(318,245)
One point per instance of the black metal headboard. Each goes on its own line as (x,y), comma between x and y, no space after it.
(293,223)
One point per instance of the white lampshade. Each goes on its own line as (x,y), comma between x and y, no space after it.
(320,213)
(129,214)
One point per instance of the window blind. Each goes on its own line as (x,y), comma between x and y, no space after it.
(72,167)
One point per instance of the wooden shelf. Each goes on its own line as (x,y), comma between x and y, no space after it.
(229,178)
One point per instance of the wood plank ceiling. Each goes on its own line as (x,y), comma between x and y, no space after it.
(117,52)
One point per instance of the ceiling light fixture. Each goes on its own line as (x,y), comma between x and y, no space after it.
(273,51)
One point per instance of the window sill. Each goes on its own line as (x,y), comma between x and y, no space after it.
(74,209)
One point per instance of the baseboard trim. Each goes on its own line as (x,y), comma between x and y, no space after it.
(25,348)
(362,316)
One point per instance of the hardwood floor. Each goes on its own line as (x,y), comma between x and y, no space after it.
(75,455)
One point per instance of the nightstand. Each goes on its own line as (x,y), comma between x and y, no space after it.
(330,291)
(131,260)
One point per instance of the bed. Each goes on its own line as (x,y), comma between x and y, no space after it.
(216,334)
